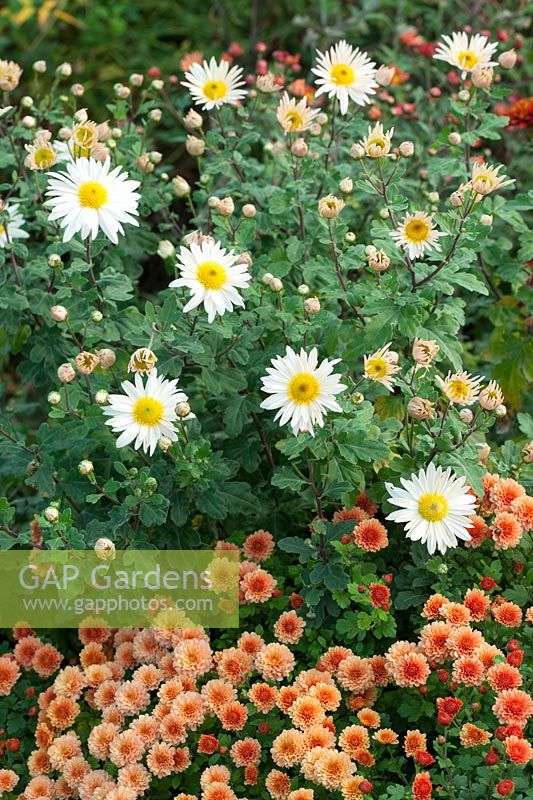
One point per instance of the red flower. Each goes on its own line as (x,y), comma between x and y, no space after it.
(515,658)
(450,705)
(365,787)
(488,584)
(380,596)
(207,743)
(424,758)
(504,788)
(13,744)
(422,786)
(296,601)
(492,757)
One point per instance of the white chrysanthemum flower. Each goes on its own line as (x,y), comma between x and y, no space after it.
(435,506)
(485,179)
(213,276)
(145,413)
(302,391)
(416,233)
(378,142)
(345,73)
(381,366)
(293,116)
(212,84)
(466,52)
(460,388)
(13,221)
(89,197)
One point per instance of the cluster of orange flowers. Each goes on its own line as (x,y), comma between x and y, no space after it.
(505,514)
(161,697)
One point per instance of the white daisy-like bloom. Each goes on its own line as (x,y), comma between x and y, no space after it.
(89,197)
(435,506)
(212,84)
(295,117)
(466,52)
(416,233)
(302,392)
(145,412)
(378,142)
(13,221)
(346,73)
(213,276)
(486,179)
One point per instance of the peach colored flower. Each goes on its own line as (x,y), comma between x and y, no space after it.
(125,748)
(289,628)
(386,736)
(506,531)
(455,613)
(464,641)
(9,674)
(274,662)
(472,736)
(518,750)
(468,670)
(217,693)
(288,748)
(434,640)
(522,508)
(411,669)
(369,718)
(503,492)
(257,586)
(62,712)
(278,784)
(354,738)
(258,546)
(413,741)
(478,603)
(160,759)
(245,751)
(233,716)
(433,606)
(263,696)
(508,614)
(513,707)
(306,711)
(355,674)
(370,535)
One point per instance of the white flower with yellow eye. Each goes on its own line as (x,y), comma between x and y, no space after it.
(11,223)
(466,53)
(302,391)
(89,197)
(293,116)
(346,73)
(213,276)
(213,84)
(435,507)
(145,412)
(416,233)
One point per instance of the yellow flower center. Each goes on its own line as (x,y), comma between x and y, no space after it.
(148,411)
(458,389)
(467,59)
(215,90)
(211,275)
(483,183)
(417,230)
(2,230)
(293,120)
(342,75)
(432,507)
(376,368)
(92,195)
(85,136)
(303,388)
(44,157)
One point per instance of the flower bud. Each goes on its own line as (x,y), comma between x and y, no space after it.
(501,411)
(346,185)
(330,206)
(454,138)
(226,207)
(155,157)
(463,95)
(357,398)
(357,151)
(267,278)
(384,75)
(527,453)
(350,237)
(77,90)
(249,211)
(66,373)
(59,313)
(155,115)
(54,398)
(26,101)
(180,186)
(276,285)
(322,118)
(466,416)
(192,120)
(104,549)
(303,289)
(245,258)
(164,443)
(101,397)
(157,85)
(64,134)
(183,409)
(142,361)
(106,357)
(87,362)
(194,146)
(96,316)
(144,164)
(384,213)
(39,67)
(85,467)
(312,305)
(299,148)
(486,219)
(507,60)
(420,408)
(433,197)
(457,199)
(166,249)
(28,121)
(484,453)
(51,514)
(378,261)
(406,149)
(136,79)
